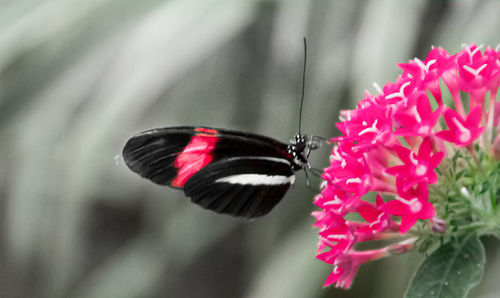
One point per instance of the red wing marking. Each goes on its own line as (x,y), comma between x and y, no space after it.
(206,130)
(196,155)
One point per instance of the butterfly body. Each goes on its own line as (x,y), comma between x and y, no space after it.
(232,172)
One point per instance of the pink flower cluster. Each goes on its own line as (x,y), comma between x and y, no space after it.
(391,146)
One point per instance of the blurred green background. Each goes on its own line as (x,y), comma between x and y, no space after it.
(78,78)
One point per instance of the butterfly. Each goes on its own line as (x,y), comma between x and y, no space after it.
(231,172)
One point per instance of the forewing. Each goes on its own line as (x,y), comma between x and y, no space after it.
(248,186)
(240,144)
(152,153)
(171,156)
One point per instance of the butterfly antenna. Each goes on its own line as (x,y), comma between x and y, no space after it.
(303,84)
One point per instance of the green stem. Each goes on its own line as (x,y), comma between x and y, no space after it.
(493,192)
(472,153)
(473,226)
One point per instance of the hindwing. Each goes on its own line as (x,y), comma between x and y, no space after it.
(247,186)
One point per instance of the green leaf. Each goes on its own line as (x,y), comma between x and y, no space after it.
(459,175)
(450,271)
(485,187)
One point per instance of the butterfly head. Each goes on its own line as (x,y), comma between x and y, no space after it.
(299,148)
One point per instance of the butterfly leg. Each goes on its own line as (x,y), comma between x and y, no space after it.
(314,171)
(307,176)
(306,172)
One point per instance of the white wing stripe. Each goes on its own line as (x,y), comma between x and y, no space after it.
(275,159)
(257,179)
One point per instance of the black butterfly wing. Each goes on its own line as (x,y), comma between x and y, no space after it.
(170,156)
(152,153)
(247,186)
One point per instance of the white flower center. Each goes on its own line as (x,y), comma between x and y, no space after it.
(465,134)
(421,170)
(373,128)
(353,180)
(424,129)
(401,92)
(340,237)
(413,159)
(415,205)
(475,72)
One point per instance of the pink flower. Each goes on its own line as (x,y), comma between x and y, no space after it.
(418,119)
(478,73)
(462,132)
(335,231)
(346,265)
(417,168)
(368,126)
(377,219)
(411,205)
(424,75)
(397,143)
(351,174)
